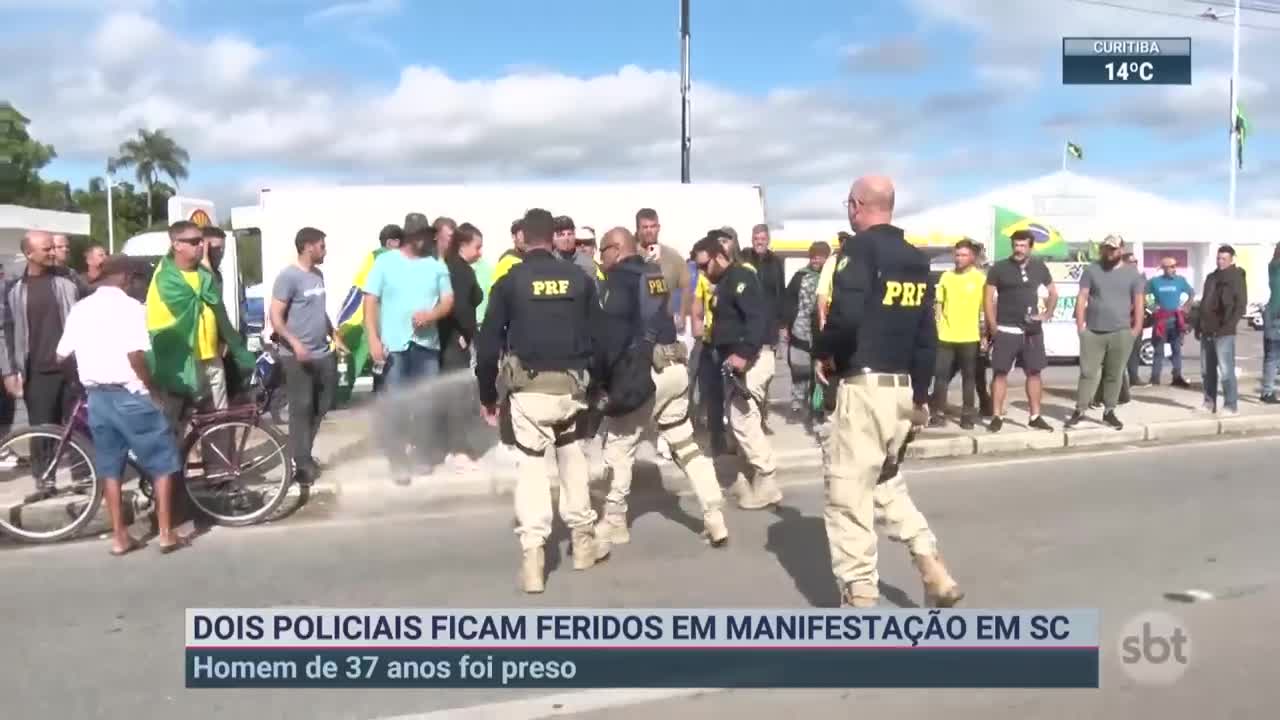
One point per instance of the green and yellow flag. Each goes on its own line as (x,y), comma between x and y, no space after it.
(1050,244)
(174,312)
(351,328)
(1075,151)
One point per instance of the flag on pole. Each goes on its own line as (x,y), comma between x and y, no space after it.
(1075,151)
(1238,125)
(1241,127)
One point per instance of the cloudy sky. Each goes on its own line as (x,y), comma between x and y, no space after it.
(951,97)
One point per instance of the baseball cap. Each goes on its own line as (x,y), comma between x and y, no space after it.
(1113,241)
(585,234)
(730,232)
(417,224)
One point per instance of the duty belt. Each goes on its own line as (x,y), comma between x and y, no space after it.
(866,376)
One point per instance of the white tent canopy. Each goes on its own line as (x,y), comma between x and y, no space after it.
(1085,209)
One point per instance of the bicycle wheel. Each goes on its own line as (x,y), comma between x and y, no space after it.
(44,498)
(237,472)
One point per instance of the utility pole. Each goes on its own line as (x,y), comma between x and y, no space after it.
(686,142)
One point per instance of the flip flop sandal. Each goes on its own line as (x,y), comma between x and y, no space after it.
(178,544)
(134,544)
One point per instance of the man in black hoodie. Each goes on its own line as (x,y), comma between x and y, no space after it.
(1221,307)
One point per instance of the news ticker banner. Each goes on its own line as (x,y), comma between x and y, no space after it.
(659,648)
(1126,61)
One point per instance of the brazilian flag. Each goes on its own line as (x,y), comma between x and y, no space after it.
(1050,245)
(178,304)
(351,328)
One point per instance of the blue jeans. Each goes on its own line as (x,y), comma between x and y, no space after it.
(1174,338)
(1270,365)
(411,365)
(396,416)
(122,421)
(1218,363)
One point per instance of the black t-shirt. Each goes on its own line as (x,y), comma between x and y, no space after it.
(44,324)
(1017,289)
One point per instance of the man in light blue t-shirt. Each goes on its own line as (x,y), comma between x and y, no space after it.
(1172,295)
(406,294)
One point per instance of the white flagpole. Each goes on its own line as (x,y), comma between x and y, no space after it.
(1235,97)
(111,218)
(1065,144)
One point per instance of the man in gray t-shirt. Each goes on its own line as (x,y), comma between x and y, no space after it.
(1109,319)
(301,321)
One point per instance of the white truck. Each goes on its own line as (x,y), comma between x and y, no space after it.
(351,216)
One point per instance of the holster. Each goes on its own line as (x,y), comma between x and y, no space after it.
(518,378)
(891,464)
(506,431)
(664,356)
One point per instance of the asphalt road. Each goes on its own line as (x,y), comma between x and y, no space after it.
(88,636)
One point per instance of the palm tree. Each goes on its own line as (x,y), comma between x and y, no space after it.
(152,154)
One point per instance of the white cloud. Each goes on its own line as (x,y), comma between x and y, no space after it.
(903,54)
(356,9)
(227,102)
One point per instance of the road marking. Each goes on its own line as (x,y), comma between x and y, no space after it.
(547,706)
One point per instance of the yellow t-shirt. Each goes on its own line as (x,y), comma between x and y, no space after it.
(827,278)
(703,292)
(959,299)
(207,329)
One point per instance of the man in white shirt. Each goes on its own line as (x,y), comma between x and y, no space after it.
(107,334)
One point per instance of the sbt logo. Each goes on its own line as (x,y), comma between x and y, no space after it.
(1155,648)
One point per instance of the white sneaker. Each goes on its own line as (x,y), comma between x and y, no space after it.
(1227,412)
(8,460)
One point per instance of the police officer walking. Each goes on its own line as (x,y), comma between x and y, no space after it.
(537,333)
(645,375)
(741,329)
(879,341)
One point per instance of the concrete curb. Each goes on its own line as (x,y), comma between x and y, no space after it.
(502,484)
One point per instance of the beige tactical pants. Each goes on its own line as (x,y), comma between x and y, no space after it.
(542,421)
(747,418)
(871,422)
(669,412)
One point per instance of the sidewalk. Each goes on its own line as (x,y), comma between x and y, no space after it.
(1162,414)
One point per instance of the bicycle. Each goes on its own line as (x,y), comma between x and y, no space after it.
(213,480)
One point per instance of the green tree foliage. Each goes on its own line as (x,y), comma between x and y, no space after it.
(152,155)
(21,159)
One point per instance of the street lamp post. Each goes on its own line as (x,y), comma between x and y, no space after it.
(1233,149)
(686,142)
(111,217)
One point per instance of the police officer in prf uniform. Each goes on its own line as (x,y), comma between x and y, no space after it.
(879,343)
(537,334)
(740,331)
(645,376)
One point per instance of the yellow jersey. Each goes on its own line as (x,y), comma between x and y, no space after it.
(959,301)
(703,292)
(508,260)
(158,316)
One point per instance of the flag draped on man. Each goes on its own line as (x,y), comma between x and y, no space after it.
(351,319)
(174,308)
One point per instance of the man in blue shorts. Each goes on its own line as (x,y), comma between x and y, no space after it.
(107,334)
